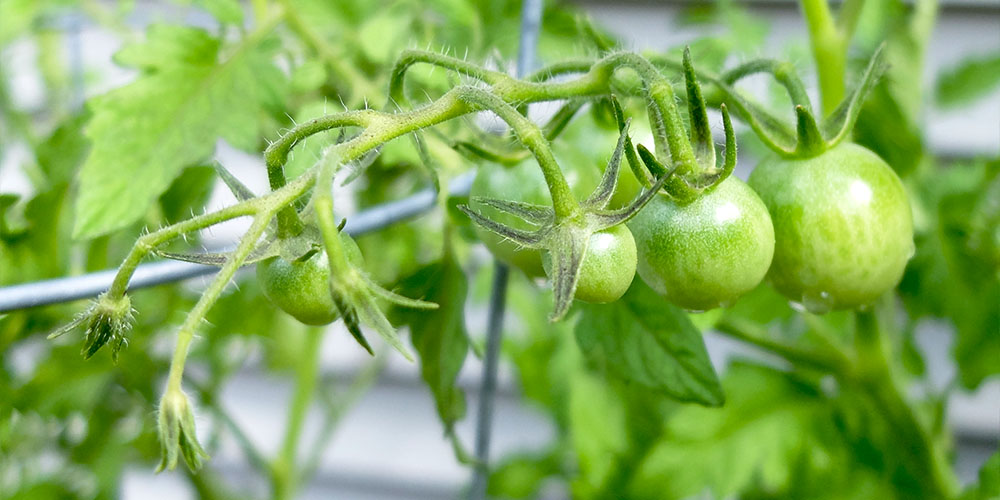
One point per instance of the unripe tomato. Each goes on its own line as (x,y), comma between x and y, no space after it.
(301,288)
(842,224)
(523,182)
(608,267)
(709,252)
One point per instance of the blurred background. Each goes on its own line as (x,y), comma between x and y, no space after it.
(386,439)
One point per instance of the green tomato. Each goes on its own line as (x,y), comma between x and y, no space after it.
(709,252)
(842,225)
(608,266)
(523,182)
(301,288)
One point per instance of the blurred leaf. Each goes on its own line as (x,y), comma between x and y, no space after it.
(188,193)
(521,476)
(63,151)
(380,37)
(599,430)
(948,277)
(171,117)
(644,339)
(439,335)
(756,438)
(968,81)
(226,11)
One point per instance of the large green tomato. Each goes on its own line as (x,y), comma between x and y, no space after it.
(608,267)
(709,252)
(301,288)
(842,226)
(523,182)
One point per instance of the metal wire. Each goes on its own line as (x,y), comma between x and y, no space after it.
(531,20)
(58,290)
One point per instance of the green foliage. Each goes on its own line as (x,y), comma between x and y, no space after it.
(635,402)
(189,95)
(440,338)
(648,341)
(969,80)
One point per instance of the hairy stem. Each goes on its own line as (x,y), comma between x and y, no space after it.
(531,136)
(208,298)
(397,94)
(268,203)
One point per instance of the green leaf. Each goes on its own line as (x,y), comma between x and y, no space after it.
(599,427)
(968,81)
(755,438)
(63,151)
(188,194)
(646,340)
(949,277)
(439,336)
(523,475)
(171,117)
(226,11)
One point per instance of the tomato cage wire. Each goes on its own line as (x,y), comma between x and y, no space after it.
(53,291)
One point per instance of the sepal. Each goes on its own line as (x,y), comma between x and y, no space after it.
(108,320)
(178,439)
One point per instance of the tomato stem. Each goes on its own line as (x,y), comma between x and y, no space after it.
(829,47)
(874,375)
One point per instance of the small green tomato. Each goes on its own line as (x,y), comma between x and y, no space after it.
(709,252)
(301,288)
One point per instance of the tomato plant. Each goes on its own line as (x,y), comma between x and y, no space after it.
(839,274)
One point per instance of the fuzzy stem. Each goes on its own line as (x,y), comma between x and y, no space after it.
(145,244)
(397,95)
(531,136)
(660,94)
(208,298)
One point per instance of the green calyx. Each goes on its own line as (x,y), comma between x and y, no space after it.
(108,320)
(566,237)
(696,168)
(809,137)
(178,439)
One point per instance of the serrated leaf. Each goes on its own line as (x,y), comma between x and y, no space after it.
(645,340)
(439,336)
(169,118)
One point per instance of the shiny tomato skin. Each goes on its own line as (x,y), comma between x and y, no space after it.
(843,227)
(302,288)
(709,252)
(608,266)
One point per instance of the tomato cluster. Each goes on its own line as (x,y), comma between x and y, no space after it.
(832,231)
